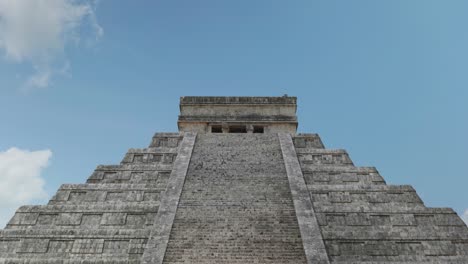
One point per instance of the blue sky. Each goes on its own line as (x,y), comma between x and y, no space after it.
(385,80)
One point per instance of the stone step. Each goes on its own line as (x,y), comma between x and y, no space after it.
(370,188)
(400,259)
(236,204)
(130,173)
(171,140)
(397,251)
(323,175)
(116,216)
(390,219)
(149,155)
(135,167)
(360,231)
(307,141)
(379,208)
(363,197)
(87,208)
(108,193)
(146,156)
(363,194)
(107,186)
(10,234)
(72,246)
(66,258)
(338,169)
(320,157)
(153,150)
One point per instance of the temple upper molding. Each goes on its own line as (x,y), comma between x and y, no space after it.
(211,114)
(288,100)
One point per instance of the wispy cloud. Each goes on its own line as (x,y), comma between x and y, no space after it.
(21,180)
(37,32)
(465,216)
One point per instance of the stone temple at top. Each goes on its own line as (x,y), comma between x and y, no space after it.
(236,184)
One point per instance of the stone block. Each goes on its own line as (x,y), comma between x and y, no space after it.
(116,246)
(46,219)
(381,248)
(32,245)
(339,197)
(77,197)
(91,220)
(69,219)
(137,246)
(137,220)
(88,246)
(9,246)
(448,220)
(151,196)
(60,246)
(24,219)
(300,142)
(113,219)
(403,219)
(378,197)
(424,219)
(380,220)
(109,175)
(439,248)
(357,219)
(352,248)
(116,196)
(138,158)
(155,157)
(336,219)
(409,247)
(61,195)
(461,247)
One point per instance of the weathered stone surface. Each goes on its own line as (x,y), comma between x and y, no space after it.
(236,205)
(157,244)
(250,197)
(312,239)
(363,220)
(107,220)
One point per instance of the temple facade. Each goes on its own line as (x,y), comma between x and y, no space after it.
(236,184)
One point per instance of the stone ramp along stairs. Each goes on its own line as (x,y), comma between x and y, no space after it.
(234,198)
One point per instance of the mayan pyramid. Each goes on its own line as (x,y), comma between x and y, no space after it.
(236,184)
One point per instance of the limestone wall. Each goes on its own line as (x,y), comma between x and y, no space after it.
(107,220)
(363,220)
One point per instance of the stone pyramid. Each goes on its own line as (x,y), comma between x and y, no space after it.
(235,185)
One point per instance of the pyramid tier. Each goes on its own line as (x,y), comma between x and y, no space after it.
(100,216)
(330,175)
(109,193)
(72,246)
(130,173)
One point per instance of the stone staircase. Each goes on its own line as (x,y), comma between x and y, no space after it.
(236,205)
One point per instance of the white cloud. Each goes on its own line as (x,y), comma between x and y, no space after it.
(465,216)
(20,178)
(37,31)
